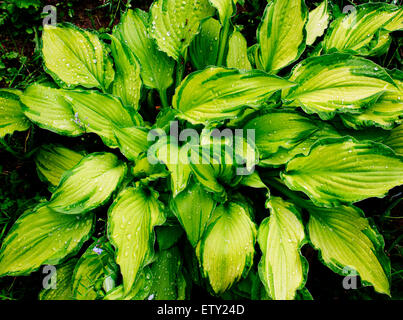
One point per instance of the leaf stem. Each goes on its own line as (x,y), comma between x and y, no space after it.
(181,65)
(273,182)
(223,41)
(163,98)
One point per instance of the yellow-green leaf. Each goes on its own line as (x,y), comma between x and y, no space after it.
(281,34)
(344,170)
(317,22)
(282,268)
(337,83)
(127,83)
(227,248)
(100,113)
(53,160)
(220,93)
(75,57)
(89,184)
(237,56)
(174,23)
(357,32)
(193,208)
(12,117)
(395,139)
(48,109)
(63,279)
(131,222)
(346,241)
(42,236)
(156,67)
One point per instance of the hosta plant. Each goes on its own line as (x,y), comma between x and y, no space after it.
(221,158)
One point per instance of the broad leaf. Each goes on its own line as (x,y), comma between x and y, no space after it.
(225,9)
(385,112)
(132,141)
(140,290)
(346,241)
(203,50)
(95,270)
(53,160)
(173,156)
(89,184)
(47,108)
(63,279)
(156,67)
(127,83)
(174,23)
(99,113)
(237,56)
(317,22)
(281,129)
(339,171)
(11,115)
(193,208)
(282,269)
(42,236)
(227,248)
(168,280)
(336,83)
(281,34)
(76,57)
(219,93)
(357,32)
(131,222)
(395,139)
(283,155)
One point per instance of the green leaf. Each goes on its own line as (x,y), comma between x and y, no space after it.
(127,83)
(282,269)
(281,34)
(63,280)
(254,181)
(89,184)
(42,236)
(203,50)
(176,22)
(395,139)
(220,93)
(227,247)
(53,160)
(357,32)
(336,83)
(214,169)
(225,9)
(131,221)
(95,270)
(193,208)
(168,235)
(156,67)
(283,155)
(341,171)
(75,57)
(11,116)
(174,157)
(132,141)
(48,109)
(385,112)
(100,113)
(281,129)
(317,22)
(346,241)
(237,56)
(168,280)
(140,290)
